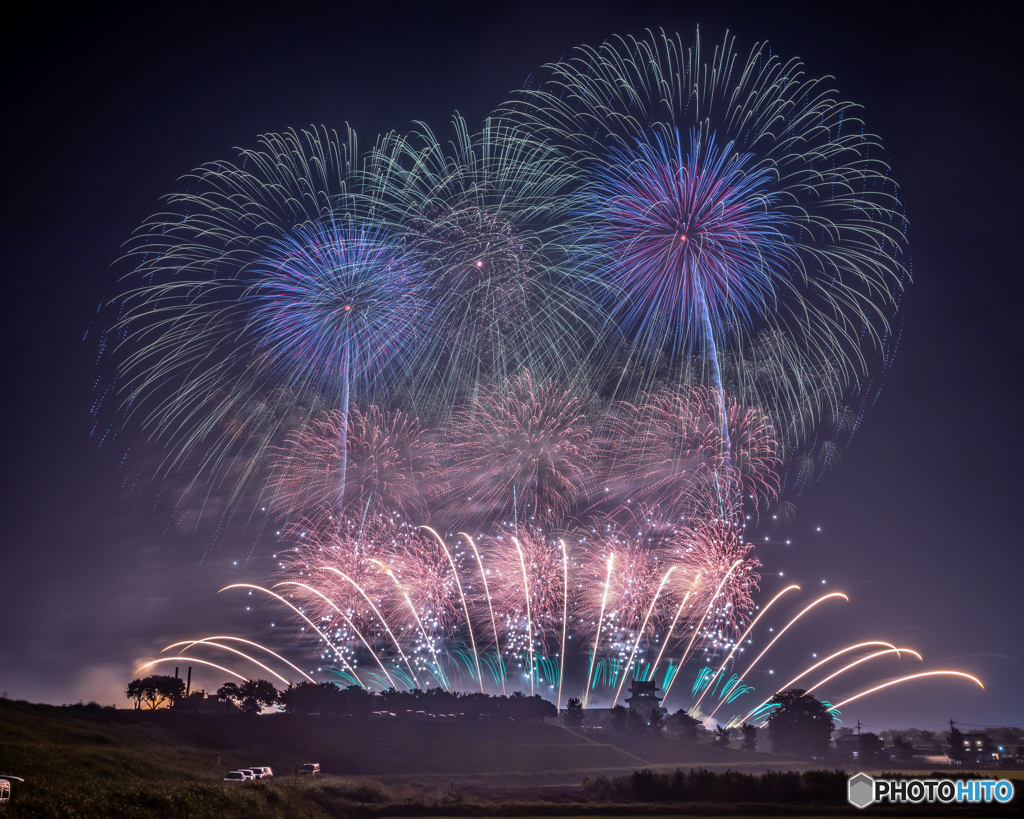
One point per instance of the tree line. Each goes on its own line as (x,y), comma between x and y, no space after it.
(330,699)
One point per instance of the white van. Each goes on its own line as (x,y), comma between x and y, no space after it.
(5,786)
(310,769)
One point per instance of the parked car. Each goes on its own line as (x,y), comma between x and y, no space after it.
(262,772)
(235,776)
(5,786)
(248,773)
(310,769)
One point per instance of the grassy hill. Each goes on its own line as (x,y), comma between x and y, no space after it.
(140,763)
(104,762)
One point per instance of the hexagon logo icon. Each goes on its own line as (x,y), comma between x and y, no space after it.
(860,790)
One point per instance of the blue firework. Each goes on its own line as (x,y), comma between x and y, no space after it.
(337,302)
(685,240)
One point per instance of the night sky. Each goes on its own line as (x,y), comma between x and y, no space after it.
(104,112)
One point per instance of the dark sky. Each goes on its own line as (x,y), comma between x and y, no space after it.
(104,111)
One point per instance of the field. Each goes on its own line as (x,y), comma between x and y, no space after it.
(82,762)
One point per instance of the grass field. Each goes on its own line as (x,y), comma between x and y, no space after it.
(79,762)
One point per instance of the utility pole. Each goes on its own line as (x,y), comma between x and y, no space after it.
(858,726)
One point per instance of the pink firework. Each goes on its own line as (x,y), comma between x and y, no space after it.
(389,462)
(427,576)
(330,573)
(528,583)
(518,454)
(628,587)
(667,451)
(722,598)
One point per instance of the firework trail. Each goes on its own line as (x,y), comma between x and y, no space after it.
(387,468)
(614,607)
(718,552)
(521,452)
(528,582)
(732,203)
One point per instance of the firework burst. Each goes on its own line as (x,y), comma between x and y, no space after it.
(491,216)
(261,283)
(666,451)
(732,201)
(528,581)
(388,466)
(520,452)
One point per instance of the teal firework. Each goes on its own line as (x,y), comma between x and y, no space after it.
(492,216)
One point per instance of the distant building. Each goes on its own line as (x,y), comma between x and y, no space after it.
(644,696)
(979,748)
(848,745)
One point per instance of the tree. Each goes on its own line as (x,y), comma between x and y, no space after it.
(904,748)
(722,736)
(656,722)
(749,737)
(229,693)
(687,726)
(304,698)
(636,722)
(869,751)
(801,724)
(574,715)
(617,717)
(955,750)
(155,690)
(134,692)
(256,695)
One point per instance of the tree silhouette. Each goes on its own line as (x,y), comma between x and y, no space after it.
(722,736)
(617,717)
(955,750)
(256,695)
(155,690)
(869,751)
(656,721)
(801,724)
(636,722)
(687,726)
(574,715)
(904,748)
(749,737)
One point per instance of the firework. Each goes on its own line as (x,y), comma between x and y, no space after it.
(491,217)
(528,582)
(262,286)
(718,552)
(521,452)
(701,253)
(666,450)
(734,215)
(386,470)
